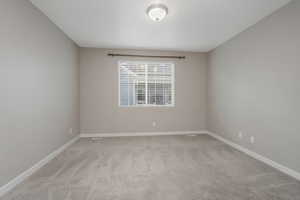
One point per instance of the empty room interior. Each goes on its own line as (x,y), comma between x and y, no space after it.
(149,100)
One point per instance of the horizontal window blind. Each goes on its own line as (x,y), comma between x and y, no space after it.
(146,84)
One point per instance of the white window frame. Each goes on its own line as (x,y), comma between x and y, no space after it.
(146,85)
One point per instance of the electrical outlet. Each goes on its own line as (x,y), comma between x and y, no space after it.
(154,124)
(252,139)
(240,135)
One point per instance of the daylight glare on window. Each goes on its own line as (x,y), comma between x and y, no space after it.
(146,84)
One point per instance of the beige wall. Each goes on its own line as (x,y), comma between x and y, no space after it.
(38,87)
(100,112)
(253,83)
(254,87)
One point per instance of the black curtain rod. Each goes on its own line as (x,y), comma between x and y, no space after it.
(144,56)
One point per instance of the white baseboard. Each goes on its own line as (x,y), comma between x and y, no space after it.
(17,180)
(94,135)
(259,157)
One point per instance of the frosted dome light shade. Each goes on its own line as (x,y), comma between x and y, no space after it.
(157,12)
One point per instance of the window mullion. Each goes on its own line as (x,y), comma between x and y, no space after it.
(128,83)
(155,92)
(146,84)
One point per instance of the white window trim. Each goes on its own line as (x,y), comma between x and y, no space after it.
(147,105)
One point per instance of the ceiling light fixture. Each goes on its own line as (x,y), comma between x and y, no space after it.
(157,12)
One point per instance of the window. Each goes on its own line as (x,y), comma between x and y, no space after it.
(146,84)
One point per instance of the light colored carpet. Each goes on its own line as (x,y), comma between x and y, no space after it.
(156,168)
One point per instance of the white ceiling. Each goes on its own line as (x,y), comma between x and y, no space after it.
(191,25)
